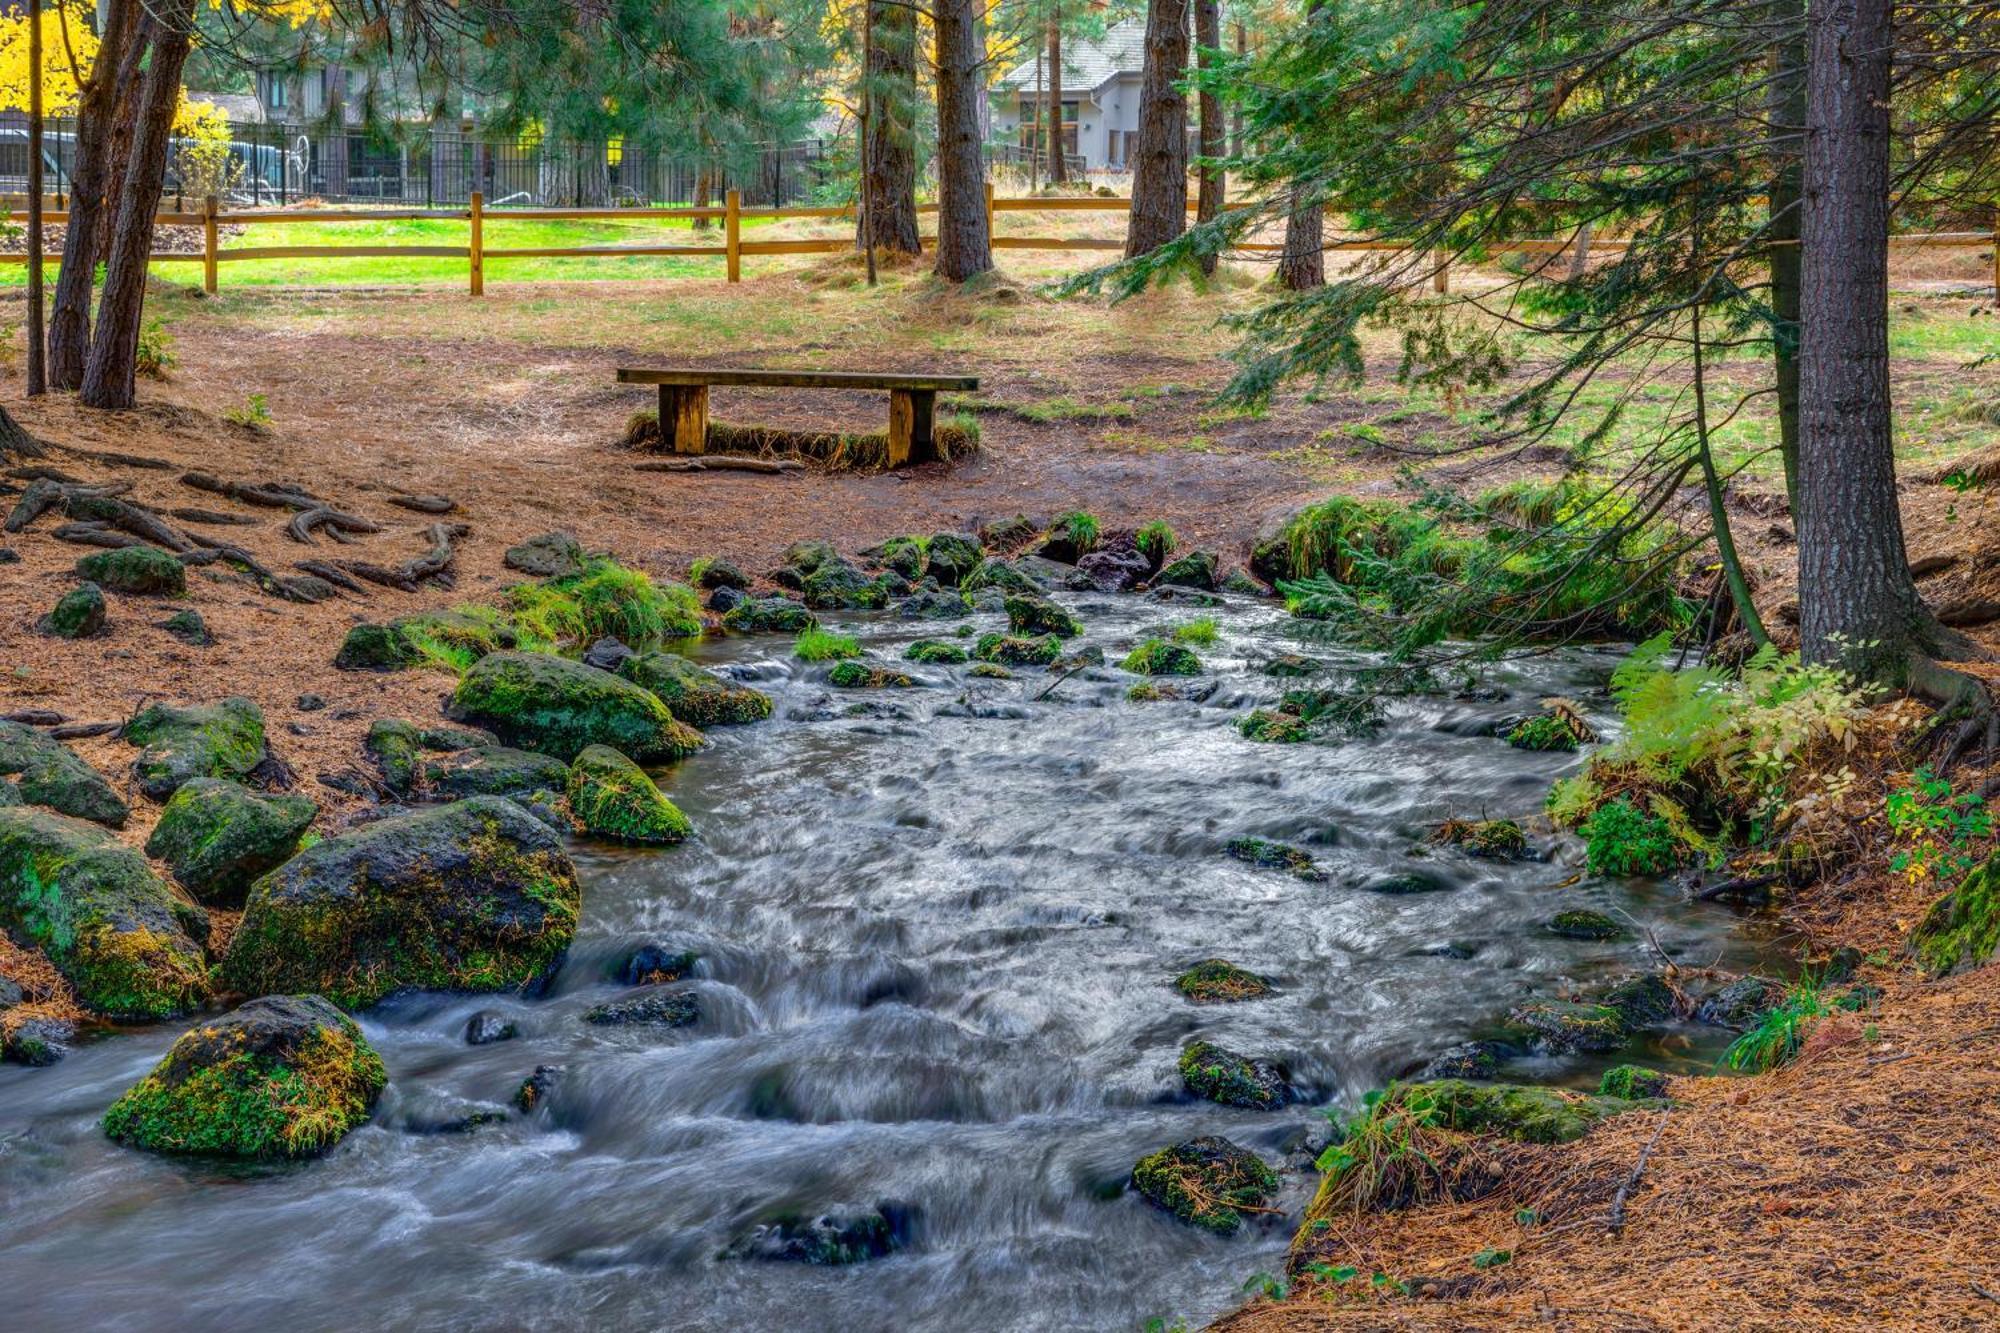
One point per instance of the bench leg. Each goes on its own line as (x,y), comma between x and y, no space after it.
(910,437)
(684,418)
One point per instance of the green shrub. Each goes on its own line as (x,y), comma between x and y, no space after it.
(1157,657)
(819,645)
(1621,839)
(1201,630)
(156,351)
(1155,541)
(602,599)
(1077,527)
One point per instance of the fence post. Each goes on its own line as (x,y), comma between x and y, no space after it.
(1442,279)
(733,236)
(989,214)
(208,239)
(476,252)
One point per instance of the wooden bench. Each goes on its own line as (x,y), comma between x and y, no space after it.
(912,401)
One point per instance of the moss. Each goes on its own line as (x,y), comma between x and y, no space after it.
(78,614)
(47,772)
(818,645)
(1499,839)
(612,797)
(1155,541)
(1275,856)
(1216,981)
(1293,665)
(1196,569)
(1524,1112)
(1028,614)
(285,1076)
(1012,651)
(217,836)
(1158,657)
(1266,724)
(1208,1181)
(1230,1079)
(989,671)
(143,570)
(935,652)
(856,676)
(1583,924)
(370,647)
(219,740)
(838,585)
(1559,1027)
(1632,1083)
(699,698)
(1202,631)
(769,615)
(1961,930)
(189,628)
(397,749)
(546,703)
(995,573)
(604,599)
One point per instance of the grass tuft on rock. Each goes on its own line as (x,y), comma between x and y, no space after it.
(820,645)
(1217,981)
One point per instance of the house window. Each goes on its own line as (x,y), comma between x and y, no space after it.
(272,90)
(1034,122)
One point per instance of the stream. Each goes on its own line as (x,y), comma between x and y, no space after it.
(936,944)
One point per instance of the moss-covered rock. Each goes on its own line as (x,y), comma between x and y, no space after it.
(1276,856)
(808,556)
(1292,666)
(1632,1083)
(130,947)
(1000,574)
(189,628)
(143,570)
(1641,1001)
(861,676)
(474,896)
(1029,614)
(1230,1079)
(769,615)
(1242,583)
(697,697)
(1543,732)
(836,585)
(1581,923)
(551,704)
(1196,569)
(1273,727)
(1496,839)
(1160,657)
(651,1006)
(1739,1004)
(829,1238)
(989,671)
(1404,882)
(1208,1181)
(612,797)
(1009,650)
(1561,1027)
(282,1076)
(1526,1113)
(1468,1059)
(1961,930)
(216,836)
(1217,981)
(951,556)
(218,740)
(553,555)
(46,772)
(77,614)
(538,1087)
(371,647)
(491,770)
(935,652)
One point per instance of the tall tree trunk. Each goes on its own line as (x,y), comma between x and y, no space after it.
(1788,119)
(1236,112)
(1159,157)
(109,373)
(112,79)
(1302,265)
(1858,606)
(889,189)
(1058,163)
(964,247)
(1209,193)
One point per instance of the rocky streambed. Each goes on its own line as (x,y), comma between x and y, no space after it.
(873,1029)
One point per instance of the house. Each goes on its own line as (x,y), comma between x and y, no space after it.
(1100,92)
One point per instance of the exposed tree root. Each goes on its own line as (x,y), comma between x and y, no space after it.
(723,463)
(265,495)
(433,566)
(241,559)
(216,518)
(124,515)
(96,534)
(44,494)
(424,504)
(16,442)
(43,474)
(112,458)
(333,574)
(336,523)
(78,731)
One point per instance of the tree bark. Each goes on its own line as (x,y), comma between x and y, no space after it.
(889,189)
(1302,265)
(1214,134)
(111,80)
(1858,605)
(1058,162)
(1159,156)
(108,376)
(964,246)
(1788,119)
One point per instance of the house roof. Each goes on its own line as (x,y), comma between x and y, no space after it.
(1089,62)
(241,108)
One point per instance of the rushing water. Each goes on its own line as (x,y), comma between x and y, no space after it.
(936,943)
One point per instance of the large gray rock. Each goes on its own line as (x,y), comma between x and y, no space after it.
(46,772)
(217,836)
(218,740)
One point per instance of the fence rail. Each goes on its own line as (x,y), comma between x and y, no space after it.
(733,247)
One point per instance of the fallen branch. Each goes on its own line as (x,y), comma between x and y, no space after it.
(35,717)
(1615,1223)
(1741,884)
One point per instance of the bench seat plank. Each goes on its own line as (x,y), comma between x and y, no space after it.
(799,379)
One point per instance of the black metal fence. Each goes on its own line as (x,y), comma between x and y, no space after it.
(414,166)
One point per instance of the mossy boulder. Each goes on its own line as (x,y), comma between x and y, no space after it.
(46,772)
(1641,1001)
(474,896)
(1495,839)
(1216,981)
(1632,1083)
(411,640)
(399,748)
(1275,856)
(144,570)
(1160,657)
(836,585)
(931,606)
(612,797)
(1028,614)
(989,671)
(1526,1113)
(808,556)
(999,574)
(695,696)
(541,702)
(720,573)
(492,770)
(650,1006)
(1739,1004)
(217,836)
(282,1076)
(1273,727)
(219,740)
(1208,1181)
(1547,732)
(950,556)
(1562,1027)
(1468,1059)
(1403,882)
(189,628)
(1961,930)
(1196,569)
(1581,923)
(769,615)
(553,555)
(1230,1079)
(77,614)
(371,647)
(130,946)
(1292,666)
(861,676)
(935,652)
(1010,650)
